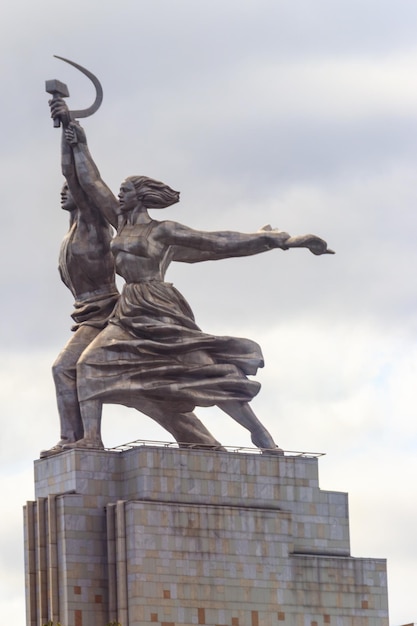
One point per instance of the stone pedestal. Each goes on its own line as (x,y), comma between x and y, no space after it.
(173,537)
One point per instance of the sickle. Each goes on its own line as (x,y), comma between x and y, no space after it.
(99,90)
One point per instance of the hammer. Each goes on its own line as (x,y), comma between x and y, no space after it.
(57,90)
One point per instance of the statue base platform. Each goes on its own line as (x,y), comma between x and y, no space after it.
(173,537)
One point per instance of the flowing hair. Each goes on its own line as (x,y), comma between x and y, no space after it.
(157,195)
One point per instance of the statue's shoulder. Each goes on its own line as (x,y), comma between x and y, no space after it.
(167,226)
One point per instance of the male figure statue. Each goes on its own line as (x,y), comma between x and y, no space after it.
(86,267)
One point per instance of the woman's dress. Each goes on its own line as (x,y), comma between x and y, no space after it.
(153,350)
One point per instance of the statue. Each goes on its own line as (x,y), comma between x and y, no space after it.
(152,353)
(86,266)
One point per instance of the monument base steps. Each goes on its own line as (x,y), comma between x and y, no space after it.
(174,537)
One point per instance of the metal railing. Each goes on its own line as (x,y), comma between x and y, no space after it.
(201,447)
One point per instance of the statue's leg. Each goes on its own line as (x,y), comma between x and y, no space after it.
(65,378)
(242,413)
(91,411)
(186,428)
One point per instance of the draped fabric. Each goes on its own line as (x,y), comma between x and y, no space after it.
(94,310)
(152,349)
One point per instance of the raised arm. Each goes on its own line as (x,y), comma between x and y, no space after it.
(96,190)
(68,164)
(97,193)
(69,171)
(191,246)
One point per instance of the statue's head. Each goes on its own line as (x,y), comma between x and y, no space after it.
(67,201)
(151,193)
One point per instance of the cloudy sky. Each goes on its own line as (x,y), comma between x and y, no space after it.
(300,114)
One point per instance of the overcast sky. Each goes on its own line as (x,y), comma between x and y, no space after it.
(301,114)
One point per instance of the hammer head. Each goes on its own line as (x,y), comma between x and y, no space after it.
(56,88)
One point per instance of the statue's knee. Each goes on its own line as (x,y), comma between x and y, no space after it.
(62,370)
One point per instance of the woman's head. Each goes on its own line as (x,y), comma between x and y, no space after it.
(152,193)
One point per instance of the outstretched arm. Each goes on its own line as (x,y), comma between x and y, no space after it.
(191,246)
(88,176)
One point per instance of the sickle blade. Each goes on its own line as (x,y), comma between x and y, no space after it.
(99,90)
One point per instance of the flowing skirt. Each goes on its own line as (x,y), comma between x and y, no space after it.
(153,350)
